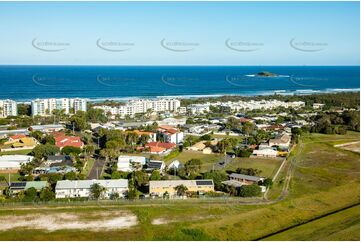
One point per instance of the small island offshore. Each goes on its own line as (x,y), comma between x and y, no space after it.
(266,74)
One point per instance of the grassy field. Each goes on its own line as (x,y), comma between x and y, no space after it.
(16,152)
(268,166)
(345,223)
(208,160)
(324,180)
(13,176)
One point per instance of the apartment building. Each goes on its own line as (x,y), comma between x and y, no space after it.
(8,108)
(133,107)
(45,107)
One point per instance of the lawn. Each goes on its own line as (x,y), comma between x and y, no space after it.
(12,176)
(16,152)
(208,160)
(324,180)
(346,223)
(268,166)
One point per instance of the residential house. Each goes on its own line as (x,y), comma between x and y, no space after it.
(16,187)
(169,134)
(47,128)
(152,136)
(174,165)
(129,163)
(159,148)
(199,146)
(12,163)
(23,143)
(59,160)
(62,140)
(265,153)
(158,188)
(155,165)
(245,179)
(82,188)
(283,141)
(172,121)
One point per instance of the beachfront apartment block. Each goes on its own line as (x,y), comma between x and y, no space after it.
(133,107)
(44,107)
(8,108)
(244,105)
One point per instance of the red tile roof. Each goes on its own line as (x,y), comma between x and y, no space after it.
(161,144)
(62,141)
(17,136)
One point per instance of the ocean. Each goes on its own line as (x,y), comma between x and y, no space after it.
(23,83)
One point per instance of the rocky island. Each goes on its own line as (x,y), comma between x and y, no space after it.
(266,74)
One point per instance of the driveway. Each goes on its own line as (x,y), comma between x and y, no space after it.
(96,170)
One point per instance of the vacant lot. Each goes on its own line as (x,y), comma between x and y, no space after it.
(208,160)
(325,180)
(268,166)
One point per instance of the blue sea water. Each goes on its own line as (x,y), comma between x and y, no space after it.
(24,83)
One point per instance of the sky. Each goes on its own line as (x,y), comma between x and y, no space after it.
(179,33)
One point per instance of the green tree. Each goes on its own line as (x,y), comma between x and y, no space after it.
(155,176)
(97,191)
(192,167)
(43,151)
(233,123)
(46,194)
(181,190)
(96,115)
(67,150)
(218,177)
(250,191)
(30,195)
(70,176)
(267,182)
(48,139)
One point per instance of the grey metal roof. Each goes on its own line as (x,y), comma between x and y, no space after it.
(245,177)
(72,184)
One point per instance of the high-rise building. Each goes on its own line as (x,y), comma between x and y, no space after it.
(45,107)
(8,108)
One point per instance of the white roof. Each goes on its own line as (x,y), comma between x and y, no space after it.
(174,164)
(127,159)
(16,158)
(73,184)
(174,183)
(265,152)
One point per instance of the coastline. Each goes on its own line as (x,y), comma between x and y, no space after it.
(300,92)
